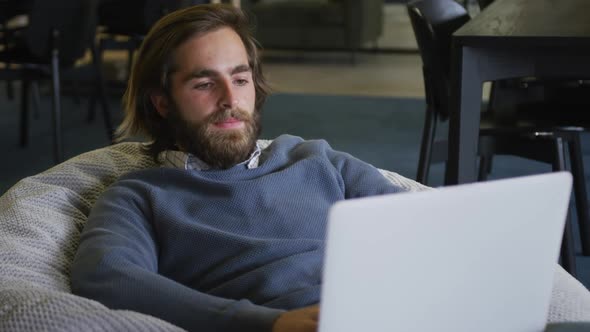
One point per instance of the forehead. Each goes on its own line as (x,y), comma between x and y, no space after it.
(214,50)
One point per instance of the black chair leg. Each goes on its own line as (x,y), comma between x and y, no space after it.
(91,108)
(102,94)
(36,96)
(24,113)
(428,133)
(97,51)
(580,192)
(568,259)
(9,84)
(57,138)
(485,167)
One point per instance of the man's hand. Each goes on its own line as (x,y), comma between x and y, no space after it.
(300,320)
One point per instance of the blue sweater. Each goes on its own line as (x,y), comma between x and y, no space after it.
(220,250)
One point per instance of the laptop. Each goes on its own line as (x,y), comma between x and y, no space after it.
(476,257)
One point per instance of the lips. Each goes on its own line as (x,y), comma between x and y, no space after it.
(229,123)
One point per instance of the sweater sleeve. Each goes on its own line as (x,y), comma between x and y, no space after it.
(117,265)
(360,179)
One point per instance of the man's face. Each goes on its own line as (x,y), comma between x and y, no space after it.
(212,99)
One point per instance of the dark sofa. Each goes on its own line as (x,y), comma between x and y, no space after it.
(316,24)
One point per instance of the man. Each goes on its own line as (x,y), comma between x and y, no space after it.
(226,235)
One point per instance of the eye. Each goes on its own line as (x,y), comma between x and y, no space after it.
(203,86)
(241,81)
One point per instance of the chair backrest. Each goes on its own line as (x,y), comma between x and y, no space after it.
(139,15)
(434,22)
(484,3)
(75,20)
(9,9)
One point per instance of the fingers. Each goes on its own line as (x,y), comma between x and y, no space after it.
(314,312)
(299,320)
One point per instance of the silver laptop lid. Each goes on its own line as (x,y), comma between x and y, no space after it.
(476,257)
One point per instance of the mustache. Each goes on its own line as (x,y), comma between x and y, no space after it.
(223,115)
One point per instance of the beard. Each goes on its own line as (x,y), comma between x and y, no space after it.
(219,148)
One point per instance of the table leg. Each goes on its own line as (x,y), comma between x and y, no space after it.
(466,91)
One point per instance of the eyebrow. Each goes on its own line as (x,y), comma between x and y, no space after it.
(213,73)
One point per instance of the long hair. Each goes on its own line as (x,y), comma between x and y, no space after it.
(155,63)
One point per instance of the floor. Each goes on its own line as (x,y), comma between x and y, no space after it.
(391,75)
(395,75)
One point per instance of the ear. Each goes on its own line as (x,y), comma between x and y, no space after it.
(161,103)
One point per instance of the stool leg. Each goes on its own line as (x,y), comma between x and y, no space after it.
(568,259)
(36,97)
(57,133)
(24,113)
(102,92)
(485,167)
(428,133)
(580,192)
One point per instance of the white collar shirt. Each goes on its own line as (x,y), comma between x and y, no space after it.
(188,161)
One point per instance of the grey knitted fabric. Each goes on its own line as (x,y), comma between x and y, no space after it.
(40,222)
(41,218)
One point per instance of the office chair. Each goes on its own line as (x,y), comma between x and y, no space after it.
(8,11)
(58,33)
(122,26)
(513,131)
(132,20)
(484,3)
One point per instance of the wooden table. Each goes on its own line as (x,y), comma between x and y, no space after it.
(510,38)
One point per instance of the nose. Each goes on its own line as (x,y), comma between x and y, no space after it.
(227,97)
